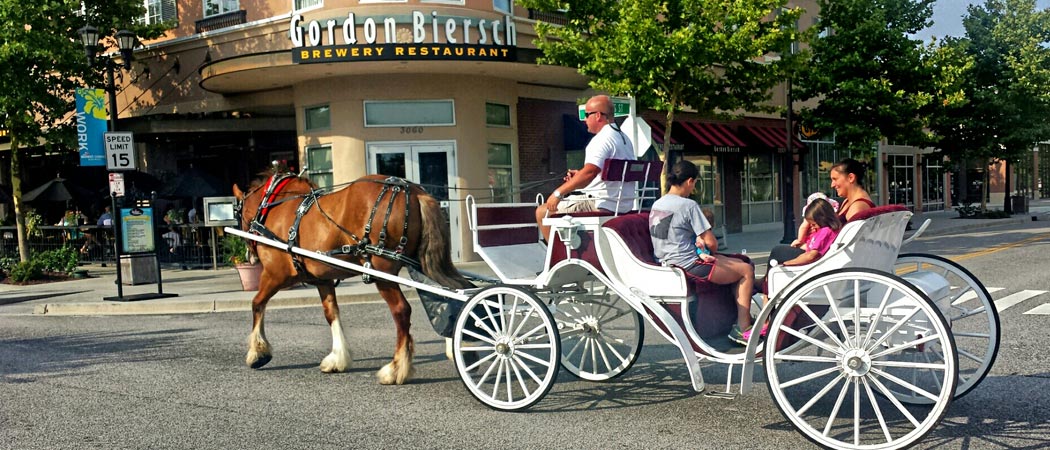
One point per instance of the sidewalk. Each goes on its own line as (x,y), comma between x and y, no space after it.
(205,290)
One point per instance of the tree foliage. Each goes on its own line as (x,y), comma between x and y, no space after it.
(1006,83)
(869,75)
(42,61)
(709,56)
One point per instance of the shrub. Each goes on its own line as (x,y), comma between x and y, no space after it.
(64,260)
(968,210)
(25,271)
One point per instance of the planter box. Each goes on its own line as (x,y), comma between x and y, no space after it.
(249,274)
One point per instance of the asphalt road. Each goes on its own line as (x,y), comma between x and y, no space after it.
(159,382)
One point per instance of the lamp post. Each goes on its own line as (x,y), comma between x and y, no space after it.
(89,35)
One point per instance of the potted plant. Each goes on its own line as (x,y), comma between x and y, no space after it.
(235,250)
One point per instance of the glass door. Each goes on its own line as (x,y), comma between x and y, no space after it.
(429,164)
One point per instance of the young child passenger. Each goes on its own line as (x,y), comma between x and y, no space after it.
(823,227)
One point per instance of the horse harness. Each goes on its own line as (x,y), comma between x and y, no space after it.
(363,247)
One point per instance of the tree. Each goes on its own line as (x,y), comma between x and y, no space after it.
(43,61)
(868,74)
(1006,84)
(669,54)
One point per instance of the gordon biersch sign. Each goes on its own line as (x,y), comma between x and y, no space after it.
(403,37)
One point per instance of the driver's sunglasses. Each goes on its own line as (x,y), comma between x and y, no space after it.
(592,113)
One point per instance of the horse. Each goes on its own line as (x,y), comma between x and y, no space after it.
(377,221)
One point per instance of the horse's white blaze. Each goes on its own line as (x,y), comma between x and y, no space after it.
(339,359)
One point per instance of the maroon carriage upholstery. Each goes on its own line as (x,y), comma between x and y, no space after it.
(714,308)
(872,212)
(522,220)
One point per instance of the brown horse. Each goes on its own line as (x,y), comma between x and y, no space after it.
(337,219)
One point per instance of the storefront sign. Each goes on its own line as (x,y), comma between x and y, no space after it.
(136,226)
(722,149)
(404,37)
(91,124)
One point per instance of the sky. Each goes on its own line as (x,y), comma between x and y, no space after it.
(948,14)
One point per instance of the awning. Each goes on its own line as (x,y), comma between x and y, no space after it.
(773,137)
(658,131)
(713,134)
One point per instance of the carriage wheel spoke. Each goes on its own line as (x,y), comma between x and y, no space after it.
(960,334)
(893,399)
(583,354)
(910,365)
(612,348)
(905,384)
(524,319)
(811,376)
(489,315)
(856,312)
(820,323)
(894,328)
(529,371)
(969,313)
(478,337)
(605,358)
(936,379)
(526,336)
(820,394)
(575,347)
(481,361)
(485,376)
(856,412)
(510,383)
(804,358)
(964,296)
(878,411)
(805,337)
(533,359)
(499,374)
(521,380)
(513,307)
(967,354)
(480,323)
(835,409)
(906,345)
(835,311)
(878,317)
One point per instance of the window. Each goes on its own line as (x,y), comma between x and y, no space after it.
(216,7)
(317,118)
(319,165)
(501,5)
(501,174)
(160,11)
(409,113)
(305,4)
(497,115)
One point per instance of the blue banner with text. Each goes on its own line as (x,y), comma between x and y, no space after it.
(91,126)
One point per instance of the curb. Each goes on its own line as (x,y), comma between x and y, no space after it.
(975,226)
(161,307)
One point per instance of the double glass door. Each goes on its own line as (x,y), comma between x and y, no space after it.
(429,164)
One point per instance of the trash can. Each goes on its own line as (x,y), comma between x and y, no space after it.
(1019,204)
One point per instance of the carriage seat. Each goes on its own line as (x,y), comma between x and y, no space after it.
(626,252)
(627,171)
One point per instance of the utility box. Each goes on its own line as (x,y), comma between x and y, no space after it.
(1019,204)
(138,269)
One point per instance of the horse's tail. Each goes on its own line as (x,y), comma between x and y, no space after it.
(434,253)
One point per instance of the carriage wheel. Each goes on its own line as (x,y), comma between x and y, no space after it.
(842,389)
(601,335)
(506,348)
(972,316)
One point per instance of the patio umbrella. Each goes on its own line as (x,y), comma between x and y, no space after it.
(55,190)
(194,183)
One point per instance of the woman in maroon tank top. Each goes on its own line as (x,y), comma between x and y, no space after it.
(847,179)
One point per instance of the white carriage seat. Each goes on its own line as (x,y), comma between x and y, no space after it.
(872,243)
(507,238)
(624,268)
(641,181)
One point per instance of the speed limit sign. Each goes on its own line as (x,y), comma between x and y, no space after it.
(120,150)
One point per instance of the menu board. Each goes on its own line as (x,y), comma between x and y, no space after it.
(136,226)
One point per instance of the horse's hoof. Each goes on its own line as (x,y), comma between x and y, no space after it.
(261,361)
(389,374)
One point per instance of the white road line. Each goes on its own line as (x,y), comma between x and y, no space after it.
(1015,298)
(970,295)
(1043,309)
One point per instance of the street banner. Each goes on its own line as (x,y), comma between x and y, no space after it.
(91,125)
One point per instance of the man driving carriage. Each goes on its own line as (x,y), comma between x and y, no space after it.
(609,142)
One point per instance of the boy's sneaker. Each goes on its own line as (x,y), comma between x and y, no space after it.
(737,336)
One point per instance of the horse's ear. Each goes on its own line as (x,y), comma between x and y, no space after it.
(237,192)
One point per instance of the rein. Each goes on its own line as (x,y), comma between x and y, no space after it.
(363,247)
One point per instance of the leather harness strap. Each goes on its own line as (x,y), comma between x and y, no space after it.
(362,248)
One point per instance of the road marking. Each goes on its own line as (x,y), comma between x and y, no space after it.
(1043,309)
(999,248)
(973,294)
(1015,298)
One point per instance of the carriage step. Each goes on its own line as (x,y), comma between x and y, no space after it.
(722,395)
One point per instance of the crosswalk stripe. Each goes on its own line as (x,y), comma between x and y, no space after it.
(1015,298)
(972,295)
(1043,309)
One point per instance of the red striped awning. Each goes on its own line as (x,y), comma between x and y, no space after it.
(713,134)
(773,137)
(658,131)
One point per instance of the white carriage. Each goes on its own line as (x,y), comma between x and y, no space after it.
(866,347)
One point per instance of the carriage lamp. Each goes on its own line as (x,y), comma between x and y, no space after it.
(567,232)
